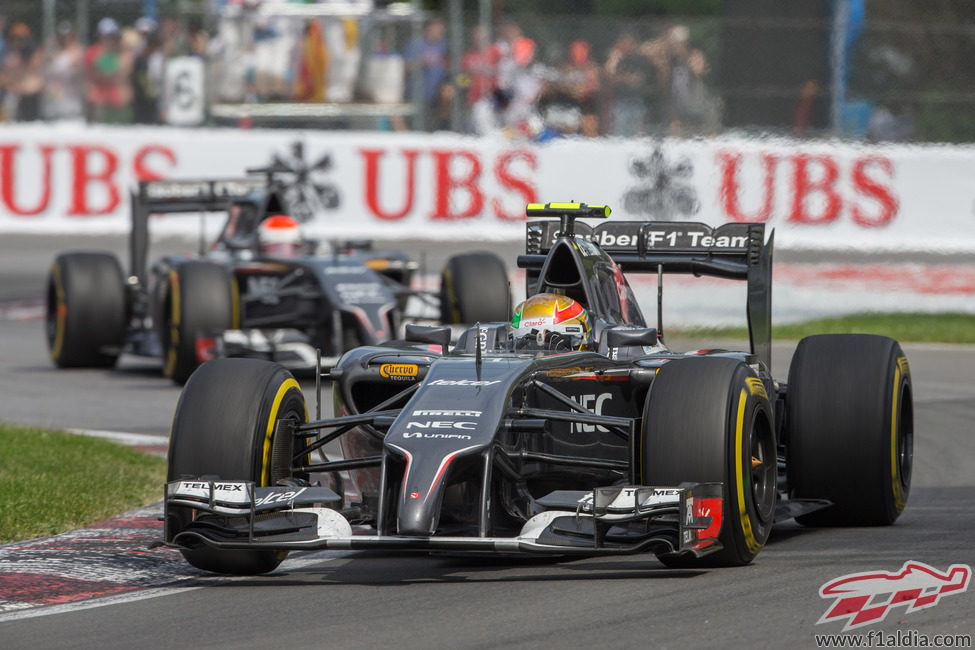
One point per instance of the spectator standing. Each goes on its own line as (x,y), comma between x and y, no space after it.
(197,39)
(659,55)
(508,35)
(527,84)
(628,75)
(429,55)
(673,71)
(311,79)
(109,95)
(577,88)
(23,74)
(64,90)
(695,108)
(479,65)
(148,68)
(174,40)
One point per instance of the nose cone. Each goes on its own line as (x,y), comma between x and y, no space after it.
(454,415)
(417,516)
(422,494)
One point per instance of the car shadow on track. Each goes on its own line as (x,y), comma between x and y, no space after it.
(390,570)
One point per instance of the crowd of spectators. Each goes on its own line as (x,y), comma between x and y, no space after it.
(655,86)
(116,79)
(635,87)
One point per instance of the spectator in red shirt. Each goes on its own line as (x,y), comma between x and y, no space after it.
(109,96)
(480,66)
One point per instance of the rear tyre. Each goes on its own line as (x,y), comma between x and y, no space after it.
(86,310)
(850,428)
(201,297)
(224,428)
(474,288)
(709,420)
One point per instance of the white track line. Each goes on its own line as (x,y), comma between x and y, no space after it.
(200,582)
(124,438)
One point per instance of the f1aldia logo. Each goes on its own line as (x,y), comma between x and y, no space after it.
(866,598)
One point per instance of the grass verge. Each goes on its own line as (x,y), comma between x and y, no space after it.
(906,327)
(51,482)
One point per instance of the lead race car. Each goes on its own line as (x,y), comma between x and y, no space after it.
(259,289)
(570,430)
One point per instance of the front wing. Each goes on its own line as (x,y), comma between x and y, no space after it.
(667,521)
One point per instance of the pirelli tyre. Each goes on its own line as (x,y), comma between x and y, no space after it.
(850,428)
(474,288)
(201,297)
(709,420)
(86,310)
(224,428)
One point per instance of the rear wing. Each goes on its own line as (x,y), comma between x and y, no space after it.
(736,251)
(178,196)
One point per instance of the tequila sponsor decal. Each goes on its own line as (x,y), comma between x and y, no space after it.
(399,370)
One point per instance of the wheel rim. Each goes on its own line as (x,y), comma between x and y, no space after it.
(763,469)
(52,314)
(905,442)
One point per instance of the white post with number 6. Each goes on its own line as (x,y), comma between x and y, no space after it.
(183,92)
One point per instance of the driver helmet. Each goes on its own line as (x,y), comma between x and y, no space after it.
(551,321)
(280,236)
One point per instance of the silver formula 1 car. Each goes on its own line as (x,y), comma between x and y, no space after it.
(528,437)
(239,297)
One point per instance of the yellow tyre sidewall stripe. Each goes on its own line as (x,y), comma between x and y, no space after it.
(448,282)
(174,318)
(272,420)
(234,303)
(894,413)
(61,312)
(746,523)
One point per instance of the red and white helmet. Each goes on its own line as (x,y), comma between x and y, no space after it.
(280,236)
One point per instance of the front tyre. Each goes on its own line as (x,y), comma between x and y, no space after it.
(850,428)
(86,310)
(224,427)
(200,297)
(709,420)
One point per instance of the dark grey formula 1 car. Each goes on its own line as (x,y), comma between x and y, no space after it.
(531,445)
(235,299)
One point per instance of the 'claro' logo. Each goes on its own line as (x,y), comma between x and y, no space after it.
(399,370)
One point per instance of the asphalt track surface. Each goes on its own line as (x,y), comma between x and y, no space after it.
(366,600)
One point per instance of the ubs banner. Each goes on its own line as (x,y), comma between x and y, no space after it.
(68,178)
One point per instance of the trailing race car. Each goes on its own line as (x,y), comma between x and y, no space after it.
(259,290)
(570,430)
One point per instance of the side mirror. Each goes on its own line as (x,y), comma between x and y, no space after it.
(631,336)
(429,334)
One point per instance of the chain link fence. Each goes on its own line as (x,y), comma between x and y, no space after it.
(892,70)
